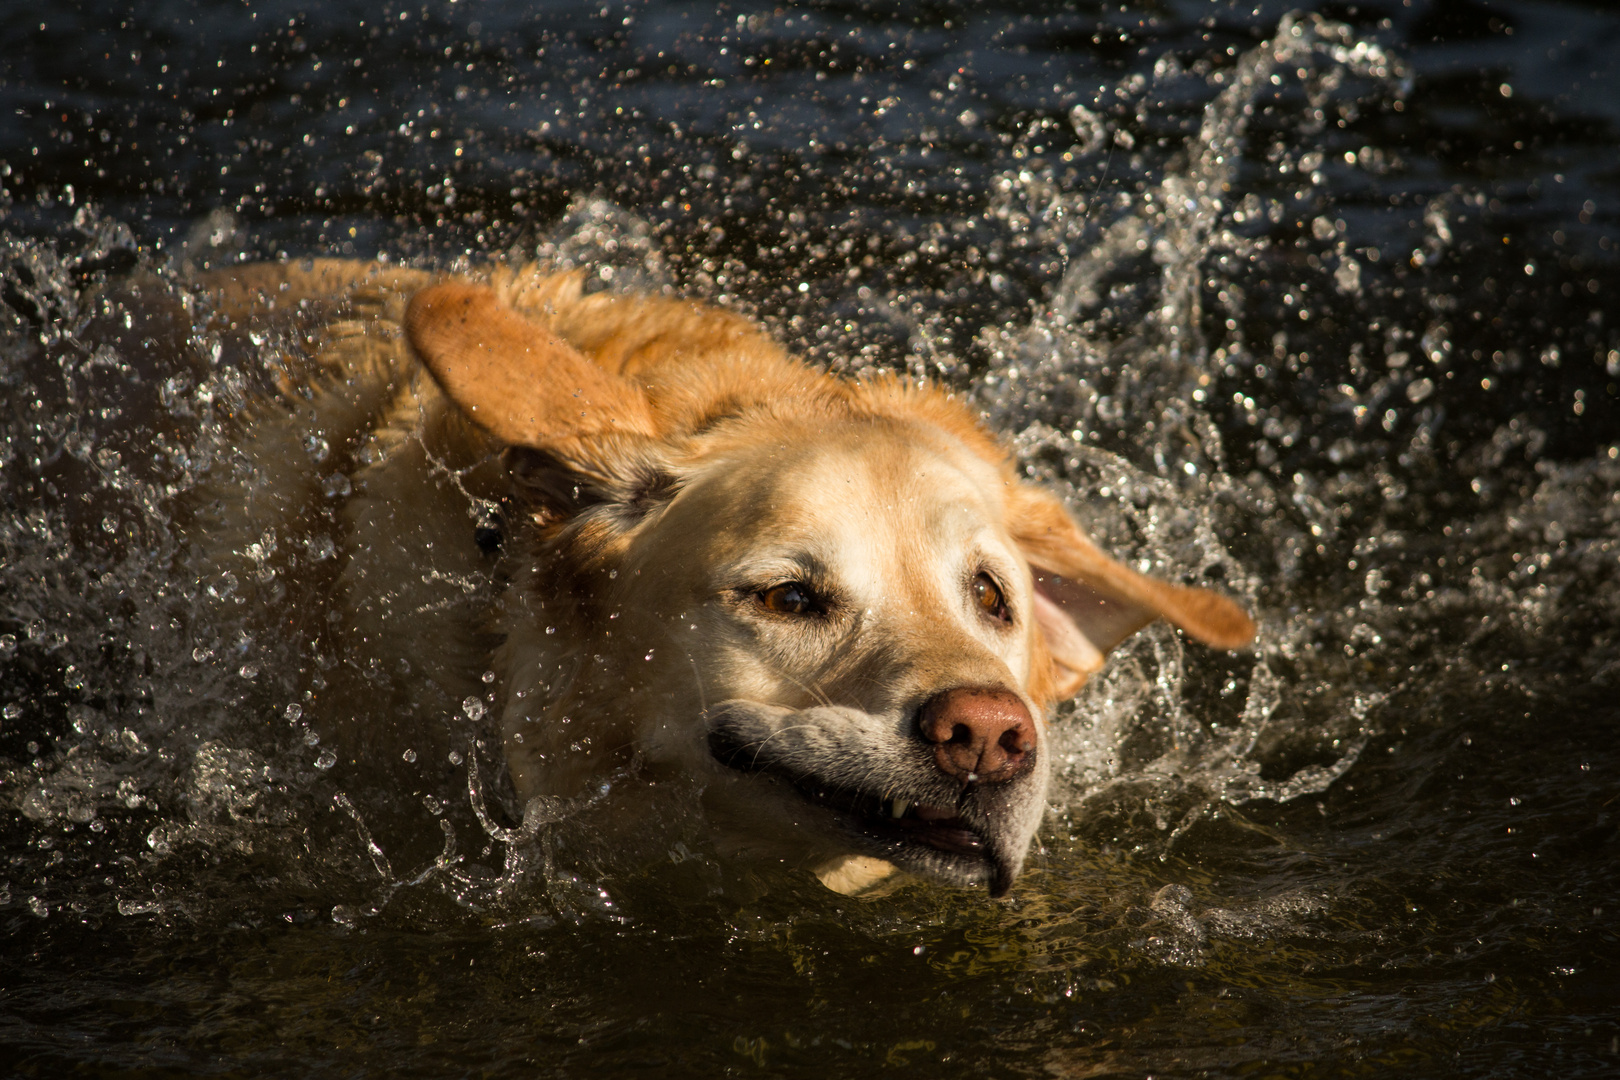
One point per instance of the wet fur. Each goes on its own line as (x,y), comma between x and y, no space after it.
(628,453)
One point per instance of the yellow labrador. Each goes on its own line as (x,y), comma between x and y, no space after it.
(832,602)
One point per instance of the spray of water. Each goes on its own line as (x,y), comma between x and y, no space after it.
(1108,386)
(143,698)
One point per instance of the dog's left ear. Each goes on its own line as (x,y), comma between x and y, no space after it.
(1086,603)
(576,434)
(525,385)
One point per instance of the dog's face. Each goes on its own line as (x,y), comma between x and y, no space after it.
(845,616)
(842,625)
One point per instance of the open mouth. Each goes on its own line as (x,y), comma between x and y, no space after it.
(896,819)
(952,842)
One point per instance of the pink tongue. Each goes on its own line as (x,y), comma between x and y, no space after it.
(935,813)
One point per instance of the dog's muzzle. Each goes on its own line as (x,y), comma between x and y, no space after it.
(953,792)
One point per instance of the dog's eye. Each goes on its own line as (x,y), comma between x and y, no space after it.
(791,598)
(987,594)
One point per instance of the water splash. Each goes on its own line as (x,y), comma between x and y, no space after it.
(147,700)
(1154,258)
(1110,386)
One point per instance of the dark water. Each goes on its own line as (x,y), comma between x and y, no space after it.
(1324,303)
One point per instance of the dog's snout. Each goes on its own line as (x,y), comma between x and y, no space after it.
(980,735)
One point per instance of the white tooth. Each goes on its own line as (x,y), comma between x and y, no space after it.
(899,807)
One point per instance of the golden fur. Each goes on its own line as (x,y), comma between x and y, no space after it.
(670,485)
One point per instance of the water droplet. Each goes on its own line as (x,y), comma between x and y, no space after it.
(172,393)
(1090,128)
(1347,278)
(248,671)
(474,708)
(82,718)
(12,711)
(8,644)
(326,760)
(409,755)
(320,548)
(455,757)
(488,677)
(336,486)
(434,806)
(224,587)
(294,712)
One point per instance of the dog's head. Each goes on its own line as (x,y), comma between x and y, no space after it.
(835,602)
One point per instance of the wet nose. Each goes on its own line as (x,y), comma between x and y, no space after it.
(980,735)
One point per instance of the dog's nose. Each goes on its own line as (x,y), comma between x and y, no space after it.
(980,735)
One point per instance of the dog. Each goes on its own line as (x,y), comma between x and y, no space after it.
(834,603)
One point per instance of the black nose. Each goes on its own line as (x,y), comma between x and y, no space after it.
(980,734)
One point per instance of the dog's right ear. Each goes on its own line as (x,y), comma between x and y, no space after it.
(1086,603)
(521,383)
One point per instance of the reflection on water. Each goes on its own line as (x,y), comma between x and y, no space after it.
(1250,296)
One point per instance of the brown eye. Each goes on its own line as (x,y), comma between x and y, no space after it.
(987,594)
(791,598)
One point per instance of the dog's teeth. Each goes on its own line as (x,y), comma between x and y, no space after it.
(898,808)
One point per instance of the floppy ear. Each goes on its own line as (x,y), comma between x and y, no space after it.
(523,384)
(1086,603)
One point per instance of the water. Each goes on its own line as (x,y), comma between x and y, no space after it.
(1321,308)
